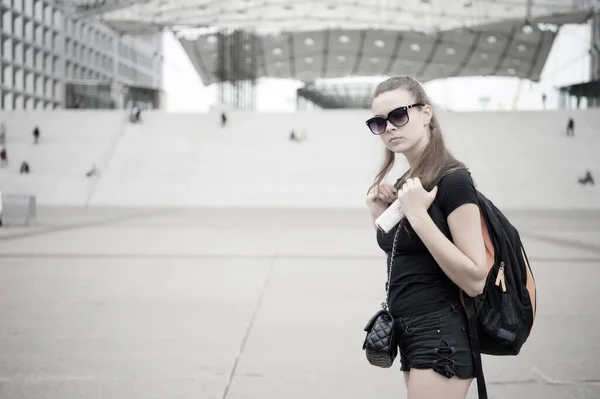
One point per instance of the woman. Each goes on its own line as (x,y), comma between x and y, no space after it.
(431,326)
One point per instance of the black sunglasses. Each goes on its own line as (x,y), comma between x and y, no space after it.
(397,117)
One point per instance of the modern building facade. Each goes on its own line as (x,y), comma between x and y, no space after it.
(49,60)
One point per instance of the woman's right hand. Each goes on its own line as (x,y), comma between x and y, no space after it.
(379,198)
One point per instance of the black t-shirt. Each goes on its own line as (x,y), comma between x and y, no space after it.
(418,285)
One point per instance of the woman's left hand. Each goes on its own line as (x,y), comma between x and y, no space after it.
(414,199)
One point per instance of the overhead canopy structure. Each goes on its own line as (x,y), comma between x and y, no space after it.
(504,49)
(312,39)
(274,16)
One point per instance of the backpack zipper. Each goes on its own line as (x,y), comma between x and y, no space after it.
(501,280)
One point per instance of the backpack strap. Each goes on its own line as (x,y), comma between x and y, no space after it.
(474,340)
(470,309)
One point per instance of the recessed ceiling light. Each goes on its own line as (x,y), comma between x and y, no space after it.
(344,39)
(212,39)
(415,47)
(491,39)
(277,51)
(341,58)
(374,60)
(511,71)
(521,48)
(247,46)
(527,29)
(379,43)
(308,41)
(308,60)
(450,51)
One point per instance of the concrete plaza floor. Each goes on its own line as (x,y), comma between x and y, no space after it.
(102,303)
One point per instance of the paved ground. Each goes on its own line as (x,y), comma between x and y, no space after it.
(208,303)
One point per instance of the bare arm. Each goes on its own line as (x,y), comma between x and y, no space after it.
(464,260)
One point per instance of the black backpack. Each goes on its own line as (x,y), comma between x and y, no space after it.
(501,318)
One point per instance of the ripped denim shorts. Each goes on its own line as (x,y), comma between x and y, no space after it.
(436,340)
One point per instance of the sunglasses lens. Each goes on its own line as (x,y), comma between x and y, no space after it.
(398,118)
(377,125)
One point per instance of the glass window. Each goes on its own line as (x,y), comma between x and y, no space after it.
(6,21)
(39,11)
(29,82)
(48,89)
(57,19)
(28,7)
(38,60)
(29,31)
(29,56)
(56,43)
(18,5)
(8,103)
(18,26)
(48,15)
(39,85)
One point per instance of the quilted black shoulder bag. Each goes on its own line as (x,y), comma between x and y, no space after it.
(380,344)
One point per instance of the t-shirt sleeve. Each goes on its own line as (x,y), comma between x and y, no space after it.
(454,190)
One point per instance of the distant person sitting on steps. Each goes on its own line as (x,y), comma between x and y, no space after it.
(571,127)
(24,168)
(92,172)
(297,137)
(3,158)
(223,119)
(587,178)
(36,135)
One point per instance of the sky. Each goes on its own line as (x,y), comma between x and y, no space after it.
(568,62)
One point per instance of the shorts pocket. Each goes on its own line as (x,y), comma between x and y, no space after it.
(423,326)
